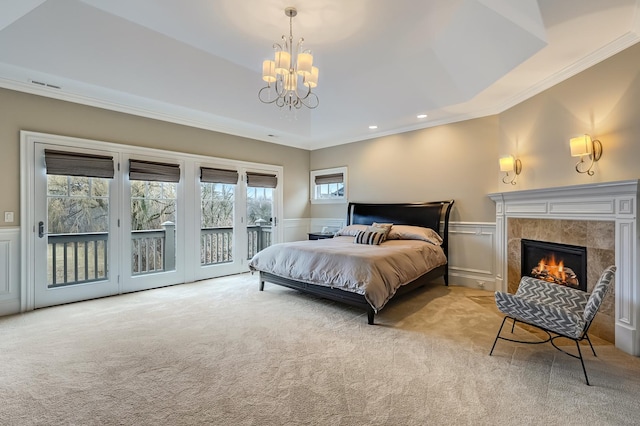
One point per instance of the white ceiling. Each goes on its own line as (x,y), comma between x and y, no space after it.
(382,62)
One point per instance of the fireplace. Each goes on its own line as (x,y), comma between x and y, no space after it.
(602,216)
(557,263)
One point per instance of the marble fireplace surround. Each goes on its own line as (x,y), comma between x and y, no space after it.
(612,202)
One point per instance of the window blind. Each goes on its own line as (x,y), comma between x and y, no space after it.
(152,171)
(261,180)
(209,175)
(78,164)
(332,178)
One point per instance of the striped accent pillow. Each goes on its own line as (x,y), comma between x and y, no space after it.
(369,237)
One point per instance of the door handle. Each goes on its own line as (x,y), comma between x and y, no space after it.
(40,229)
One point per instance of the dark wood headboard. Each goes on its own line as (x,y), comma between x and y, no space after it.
(428,215)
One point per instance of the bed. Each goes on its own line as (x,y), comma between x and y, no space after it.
(369,275)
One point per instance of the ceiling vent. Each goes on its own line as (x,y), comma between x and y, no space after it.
(43,84)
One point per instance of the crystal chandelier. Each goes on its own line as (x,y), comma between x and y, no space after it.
(288,69)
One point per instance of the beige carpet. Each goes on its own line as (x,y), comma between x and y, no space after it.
(221,352)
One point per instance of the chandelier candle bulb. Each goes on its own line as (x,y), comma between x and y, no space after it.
(283,62)
(290,82)
(269,71)
(311,80)
(305,61)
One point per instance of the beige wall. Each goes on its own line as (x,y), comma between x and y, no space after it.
(460,160)
(20,111)
(603,101)
(456,161)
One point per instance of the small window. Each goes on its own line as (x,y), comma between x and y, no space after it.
(329,185)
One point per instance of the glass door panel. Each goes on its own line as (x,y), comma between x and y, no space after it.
(216,223)
(153,227)
(259,219)
(78,230)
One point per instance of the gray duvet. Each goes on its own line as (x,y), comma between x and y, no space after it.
(373,271)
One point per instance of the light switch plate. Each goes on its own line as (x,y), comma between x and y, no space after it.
(8,216)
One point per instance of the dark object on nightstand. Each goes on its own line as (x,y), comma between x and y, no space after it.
(320,235)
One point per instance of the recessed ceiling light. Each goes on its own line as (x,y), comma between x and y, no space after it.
(373,127)
(422,115)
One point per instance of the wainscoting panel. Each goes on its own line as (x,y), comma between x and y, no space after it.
(295,229)
(471,255)
(9,271)
(332,224)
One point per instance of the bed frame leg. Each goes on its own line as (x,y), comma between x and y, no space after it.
(370,315)
(261,284)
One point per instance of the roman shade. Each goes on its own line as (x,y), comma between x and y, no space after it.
(152,171)
(208,175)
(261,180)
(78,164)
(331,178)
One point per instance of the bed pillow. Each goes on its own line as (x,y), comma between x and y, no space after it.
(351,230)
(381,227)
(369,237)
(408,232)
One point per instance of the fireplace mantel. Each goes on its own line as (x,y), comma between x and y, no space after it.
(609,201)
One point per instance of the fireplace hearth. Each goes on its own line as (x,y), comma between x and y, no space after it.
(557,263)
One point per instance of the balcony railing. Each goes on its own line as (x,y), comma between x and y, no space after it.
(77,258)
(82,258)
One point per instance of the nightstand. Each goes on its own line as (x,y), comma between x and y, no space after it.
(320,235)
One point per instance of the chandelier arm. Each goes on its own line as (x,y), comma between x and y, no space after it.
(311,101)
(264,93)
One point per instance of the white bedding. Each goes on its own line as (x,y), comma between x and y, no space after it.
(375,271)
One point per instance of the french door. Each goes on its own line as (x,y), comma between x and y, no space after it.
(102,219)
(75,240)
(152,222)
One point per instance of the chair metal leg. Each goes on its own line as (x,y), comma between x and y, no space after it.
(586,336)
(498,335)
(582,362)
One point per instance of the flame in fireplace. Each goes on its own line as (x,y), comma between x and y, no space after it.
(550,270)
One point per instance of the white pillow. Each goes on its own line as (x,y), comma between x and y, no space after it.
(351,230)
(408,232)
(381,227)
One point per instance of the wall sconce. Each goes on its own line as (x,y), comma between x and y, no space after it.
(583,145)
(508,164)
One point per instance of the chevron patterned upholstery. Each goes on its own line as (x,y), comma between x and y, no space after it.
(557,309)
(562,310)
(598,293)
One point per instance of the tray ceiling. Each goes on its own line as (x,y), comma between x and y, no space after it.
(198,62)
